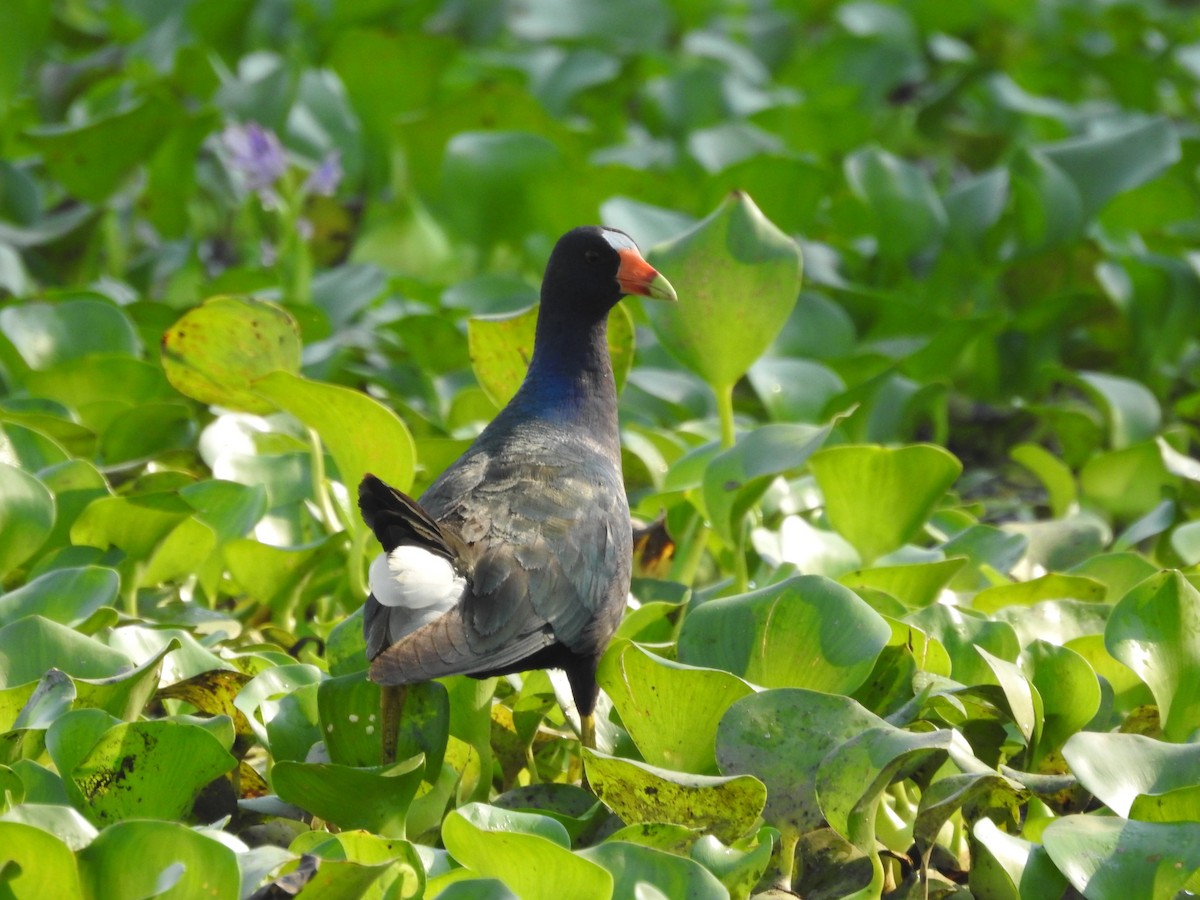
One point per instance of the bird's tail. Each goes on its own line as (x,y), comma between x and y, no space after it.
(398,520)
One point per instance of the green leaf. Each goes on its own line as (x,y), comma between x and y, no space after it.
(1047,587)
(375,798)
(1130,408)
(26,517)
(781,736)
(501,347)
(1120,768)
(217,350)
(738,277)
(1068,688)
(44,865)
(735,479)
(1155,630)
(909,216)
(135,860)
(806,631)
(1008,867)
(960,633)
(362,435)
(670,710)
(68,596)
(915,585)
(853,776)
(1126,483)
(31,646)
(634,868)
(1116,859)
(519,849)
(858,481)
(492,182)
(1116,160)
(151,769)
(1054,474)
(92,159)
(637,792)
(47,334)
(28,23)
(1048,205)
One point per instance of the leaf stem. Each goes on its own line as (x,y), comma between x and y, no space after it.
(724,397)
(320,485)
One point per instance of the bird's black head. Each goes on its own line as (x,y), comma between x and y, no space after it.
(592,267)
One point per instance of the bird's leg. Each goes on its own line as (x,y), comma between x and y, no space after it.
(587,731)
(391,705)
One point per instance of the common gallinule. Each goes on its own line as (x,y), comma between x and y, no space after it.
(518,556)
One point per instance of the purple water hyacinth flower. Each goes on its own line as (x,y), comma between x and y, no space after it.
(325,178)
(255,154)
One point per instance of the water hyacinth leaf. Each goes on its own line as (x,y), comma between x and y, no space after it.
(492,182)
(502,345)
(806,631)
(1009,867)
(1055,475)
(979,792)
(1119,768)
(915,585)
(46,334)
(794,390)
(1127,483)
(637,792)
(738,277)
(375,798)
(26,516)
(91,159)
(1129,691)
(1155,630)
(349,708)
(31,646)
(38,864)
(260,699)
(1048,587)
(407,877)
(1130,407)
(1116,160)
(736,478)
(1118,859)
(960,633)
(518,849)
(1024,700)
(859,480)
(361,434)
(670,710)
(853,776)
(889,687)
(67,596)
(151,769)
(51,698)
(907,209)
(214,693)
(739,867)
(1047,204)
(1068,688)
(217,350)
(125,694)
(781,736)
(134,860)
(634,867)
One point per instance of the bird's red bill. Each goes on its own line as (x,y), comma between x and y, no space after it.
(636,276)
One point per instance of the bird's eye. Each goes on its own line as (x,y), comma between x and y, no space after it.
(591,256)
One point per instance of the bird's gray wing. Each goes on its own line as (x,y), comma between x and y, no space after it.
(549,551)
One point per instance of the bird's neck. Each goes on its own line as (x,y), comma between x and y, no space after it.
(570,378)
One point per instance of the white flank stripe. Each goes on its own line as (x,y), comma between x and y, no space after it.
(414,578)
